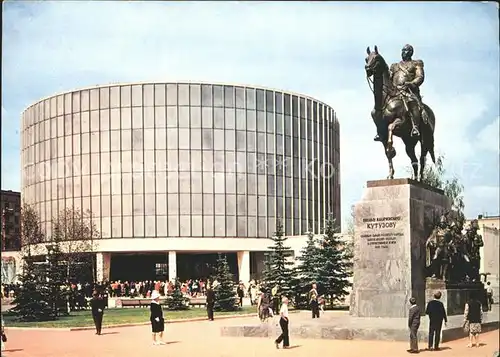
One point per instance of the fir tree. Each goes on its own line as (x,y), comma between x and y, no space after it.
(279,269)
(32,299)
(335,264)
(225,294)
(307,271)
(55,279)
(175,299)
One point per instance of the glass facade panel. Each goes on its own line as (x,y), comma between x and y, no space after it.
(183,159)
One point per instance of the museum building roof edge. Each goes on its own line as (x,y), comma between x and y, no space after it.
(122,84)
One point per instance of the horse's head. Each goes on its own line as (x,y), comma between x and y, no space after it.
(375,63)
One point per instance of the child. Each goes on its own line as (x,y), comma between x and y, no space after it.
(321,302)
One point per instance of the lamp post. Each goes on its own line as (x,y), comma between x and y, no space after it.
(4,225)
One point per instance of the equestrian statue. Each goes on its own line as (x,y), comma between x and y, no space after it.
(399,109)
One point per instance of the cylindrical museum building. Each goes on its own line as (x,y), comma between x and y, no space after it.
(175,172)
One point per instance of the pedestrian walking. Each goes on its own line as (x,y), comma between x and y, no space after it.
(97,305)
(413,325)
(284,322)
(437,314)
(156,318)
(473,316)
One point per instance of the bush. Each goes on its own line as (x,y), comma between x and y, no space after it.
(176,300)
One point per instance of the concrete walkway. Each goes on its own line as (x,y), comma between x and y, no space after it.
(203,338)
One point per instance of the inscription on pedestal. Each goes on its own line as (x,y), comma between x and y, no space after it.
(381,240)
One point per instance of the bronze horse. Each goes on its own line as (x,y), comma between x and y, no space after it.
(390,112)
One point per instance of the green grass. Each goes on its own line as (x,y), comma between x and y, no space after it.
(116,316)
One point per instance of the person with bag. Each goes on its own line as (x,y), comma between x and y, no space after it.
(97,305)
(263,306)
(156,318)
(4,336)
(473,316)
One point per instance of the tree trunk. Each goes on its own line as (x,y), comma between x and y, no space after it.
(92,261)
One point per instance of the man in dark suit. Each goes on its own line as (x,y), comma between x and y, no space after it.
(97,304)
(210,302)
(437,313)
(413,325)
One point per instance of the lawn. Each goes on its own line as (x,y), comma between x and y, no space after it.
(116,316)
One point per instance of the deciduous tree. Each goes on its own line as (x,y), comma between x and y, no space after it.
(436,176)
(78,236)
(31,229)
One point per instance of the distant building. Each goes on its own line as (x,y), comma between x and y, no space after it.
(10,205)
(489,228)
(10,210)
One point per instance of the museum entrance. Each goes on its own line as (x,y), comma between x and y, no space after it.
(202,265)
(139,267)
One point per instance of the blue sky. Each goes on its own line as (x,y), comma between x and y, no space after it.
(315,48)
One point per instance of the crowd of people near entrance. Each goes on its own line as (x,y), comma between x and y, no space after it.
(144,289)
(9,291)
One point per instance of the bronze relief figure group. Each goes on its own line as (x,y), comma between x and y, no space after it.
(398,107)
(453,256)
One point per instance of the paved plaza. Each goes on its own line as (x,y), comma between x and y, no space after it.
(203,338)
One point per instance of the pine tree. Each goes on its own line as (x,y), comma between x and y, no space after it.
(335,264)
(31,301)
(225,293)
(279,269)
(176,299)
(55,278)
(307,271)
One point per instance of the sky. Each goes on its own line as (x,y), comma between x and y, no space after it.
(314,48)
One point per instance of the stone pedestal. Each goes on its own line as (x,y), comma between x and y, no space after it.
(244,266)
(172,265)
(454,296)
(392,223)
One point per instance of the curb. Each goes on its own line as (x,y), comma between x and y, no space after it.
(86,328)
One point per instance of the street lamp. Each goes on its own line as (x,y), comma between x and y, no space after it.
(4,225)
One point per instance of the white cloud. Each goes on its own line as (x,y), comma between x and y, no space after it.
(488,136)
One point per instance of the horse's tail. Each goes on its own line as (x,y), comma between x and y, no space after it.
(428,132)
(431,147)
